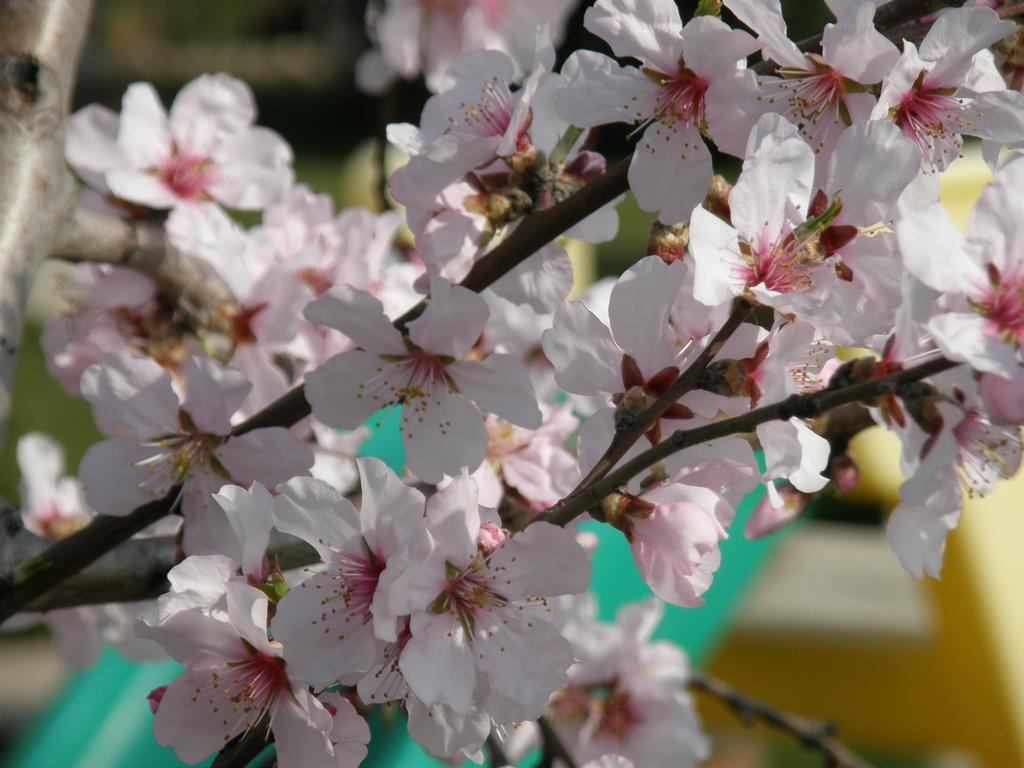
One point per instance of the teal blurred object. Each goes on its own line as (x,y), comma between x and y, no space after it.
(102,720)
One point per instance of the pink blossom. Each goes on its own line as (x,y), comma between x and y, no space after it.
(414,36)
(429,374)
(480,620)
(692,81)
(928,96)
(52,505)
(234,677)
(159,441)
(206,149)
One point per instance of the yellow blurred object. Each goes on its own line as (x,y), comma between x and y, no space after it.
(961,685)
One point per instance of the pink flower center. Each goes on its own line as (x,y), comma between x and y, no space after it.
(357,579)
(929,115)
(815,99)
(418,382)
(985,452)
(619,717)
(242,691)
(467,595)
(491,114)
(174,459)
(680,99)
(186,175)
(784,265)
(1001,302)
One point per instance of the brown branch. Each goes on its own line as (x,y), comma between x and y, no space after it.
(800,406)
(185,281)
(811,734)
(686,381)
(40,41)
(245,748)
(498,757)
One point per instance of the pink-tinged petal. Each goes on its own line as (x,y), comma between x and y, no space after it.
(144,136)
(638,311)
(675,550)
(445,733)
(955,36)
(452,321)
(437,662)
(131,395)
(967,337)
(499,384)
(198,581)
(213,393)
(198,724)
(917,532)
(543,474)
(247,614)
(191,637)
(648,30)
(731,108)
(1003,398)
(349,734)
(773,512)
(412,581)
(765,18)
(931,247)
(206,530)
(141,188)
(442,435)
(711,48)
(794,451)
(252,171)
(208,108)
(599,90)
(581,349)
(995,224)
(113,475)
(319,515)
(250,517)
(542,281)
(358,315)
(271,456)
(542,560)
(301,725)
(390,510)
(776,180)
(41,462)
(334,389)
(717,261)
(524,657)
(855,49)
(871,166)
(454,520)
(92,148)
(998,116)
(325,639)
(671,171)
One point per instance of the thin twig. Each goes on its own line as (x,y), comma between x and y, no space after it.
(811,734)
(800,406)
(686,381)
(245,748)
(553,744)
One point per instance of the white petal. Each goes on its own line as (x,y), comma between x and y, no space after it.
(452,321)
(360,316)
(580,348)
(501,385)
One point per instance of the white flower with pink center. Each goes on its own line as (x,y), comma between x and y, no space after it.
(430,374)
(330,624)
(235,679)
(822,94)
(159,442)
(52,505)
(482,115)
(771,252)
(480,622)
(692,82)
(982,276)
(928,92)
(207,149)
(414,36)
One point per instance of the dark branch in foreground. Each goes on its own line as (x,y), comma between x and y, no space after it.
(245,748)
(800,406)
(811,734)
(554,747)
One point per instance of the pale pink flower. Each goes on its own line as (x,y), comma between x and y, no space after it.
(824,93)
(692,82)
(480,622)
(982,320)
(414,36)
(234,677)
(52,504)
(206,149)
(159,441)
(331,622)
(428,373)
(929,96)
(1003,398)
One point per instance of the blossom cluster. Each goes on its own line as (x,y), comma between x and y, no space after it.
(444,592)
